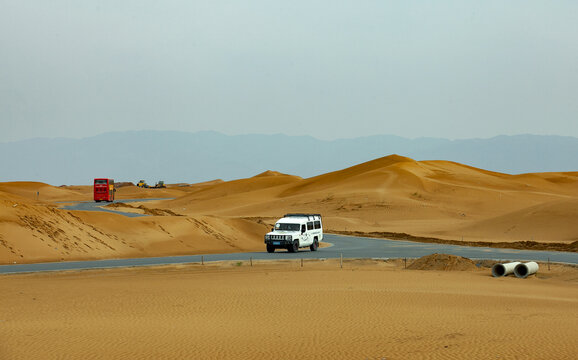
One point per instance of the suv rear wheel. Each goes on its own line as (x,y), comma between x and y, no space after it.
(315,245)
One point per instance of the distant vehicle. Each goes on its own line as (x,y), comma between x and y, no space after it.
(143,184)
(104,190)
(294,231)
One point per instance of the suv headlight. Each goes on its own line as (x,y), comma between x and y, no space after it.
(267,237)
(288,237)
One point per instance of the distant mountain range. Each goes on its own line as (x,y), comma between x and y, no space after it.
(177,157)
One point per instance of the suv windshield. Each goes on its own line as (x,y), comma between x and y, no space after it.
(290,227)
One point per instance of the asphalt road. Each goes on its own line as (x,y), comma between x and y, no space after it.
(100,206)
(349,247)
(346,246)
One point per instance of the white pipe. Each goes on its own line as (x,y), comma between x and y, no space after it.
(499,270)
(522,271)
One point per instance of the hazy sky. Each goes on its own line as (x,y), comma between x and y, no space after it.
(330,69)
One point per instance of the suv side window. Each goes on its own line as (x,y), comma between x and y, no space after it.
(310,225)
(318,224)
(303,228)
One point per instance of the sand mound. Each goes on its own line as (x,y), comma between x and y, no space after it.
(443,262)
(123,184)
(145,210)
(352,178)
(210,182)
(38,191)
(236,187)
(270,173)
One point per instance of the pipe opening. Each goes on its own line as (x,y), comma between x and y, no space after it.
(522,271)
(525,270)
(498,270)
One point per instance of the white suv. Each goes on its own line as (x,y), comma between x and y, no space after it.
(294,231)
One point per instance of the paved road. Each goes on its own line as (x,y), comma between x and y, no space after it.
(94,206)
(350,247)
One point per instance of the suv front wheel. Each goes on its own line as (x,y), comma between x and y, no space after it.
(294,247)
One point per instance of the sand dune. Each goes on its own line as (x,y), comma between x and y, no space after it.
(394,194)
(235,187)
(43,192)
(36,232)
(536,223)
(428,198)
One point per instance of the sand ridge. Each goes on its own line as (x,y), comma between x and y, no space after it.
(36,232)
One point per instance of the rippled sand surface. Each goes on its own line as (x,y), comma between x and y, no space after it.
(365,310)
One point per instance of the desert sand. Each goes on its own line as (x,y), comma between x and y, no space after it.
(365,310)
(393,197)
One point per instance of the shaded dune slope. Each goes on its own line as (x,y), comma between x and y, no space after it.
(397,194)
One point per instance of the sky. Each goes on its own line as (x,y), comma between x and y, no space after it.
(326,68)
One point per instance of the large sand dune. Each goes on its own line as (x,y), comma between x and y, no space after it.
(428,198)
(394,194)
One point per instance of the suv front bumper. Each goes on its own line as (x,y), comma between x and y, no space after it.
(280,243)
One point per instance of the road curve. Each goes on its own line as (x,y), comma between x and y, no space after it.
(94,206)
(346,246)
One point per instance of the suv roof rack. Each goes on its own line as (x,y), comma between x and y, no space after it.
(301,215)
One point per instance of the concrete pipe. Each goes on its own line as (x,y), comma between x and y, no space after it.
(500,270)
(522,271)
